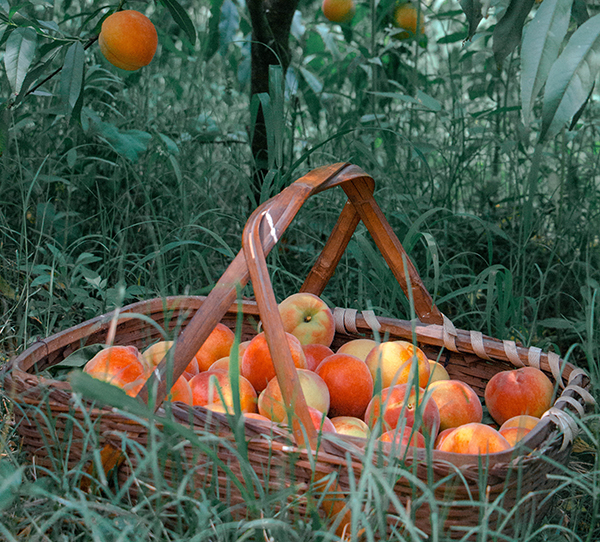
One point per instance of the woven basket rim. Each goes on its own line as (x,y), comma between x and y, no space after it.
(18,368)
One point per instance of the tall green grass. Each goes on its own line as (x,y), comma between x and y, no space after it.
(84,229)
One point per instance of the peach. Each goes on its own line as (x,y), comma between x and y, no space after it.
(398,361)
(404,437)
(441,436)
(351,426)
(524,420)
(257,366)
(121,366)
(192,369)
(457,401)
(349,382)
(514,434)
(217,345)
(154,354)
(437,371)
(321,421)
(357,347)
(215,387)
(315,354)
(180,391)
(401,404)
(520,391)
(316,394)
(474,438)
(222,363)
(307,317)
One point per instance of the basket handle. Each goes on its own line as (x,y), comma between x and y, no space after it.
(262,229)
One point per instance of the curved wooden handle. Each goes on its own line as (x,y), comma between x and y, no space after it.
(262,231)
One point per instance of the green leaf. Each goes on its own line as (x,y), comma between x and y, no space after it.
(312,80)
(508,31)
(71,79)
(542,39)
(20,50)
(472,9)
(181,17)
(5,6)
(106,394)
(571,78)
(213,29)
(77,359)
(130,143)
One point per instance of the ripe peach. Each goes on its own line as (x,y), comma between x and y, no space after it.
(401,404)
(349,425)
(321,421)
(216,346)
(404,437)
(520,391)
(396,360)
(257,365)
(524,420)
(437,371)
(128,39)
(154,354)
(514,434)
(441,436)
(457,401)
(315,354)
(119,365)
(357,347)
(181,391)
(192,369)
(307,317)
(349,382)
(514,429)
(316,394)
(222,363)
(209,386)
(338,11)
(474,438)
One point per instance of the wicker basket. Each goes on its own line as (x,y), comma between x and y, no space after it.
(521,476)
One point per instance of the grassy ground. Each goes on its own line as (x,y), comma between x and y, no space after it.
(88,224)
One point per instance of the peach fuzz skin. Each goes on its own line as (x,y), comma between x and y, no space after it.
(209,386)
(316,395)
(397,361)
(216,346)
(257,365)
(128,39)
(122,366)
(307,317)
(315,354)
(521,391)
(457,401)
(399,405)
(349,382)
(474,438)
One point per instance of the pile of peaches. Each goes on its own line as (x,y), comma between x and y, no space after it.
(417,401)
